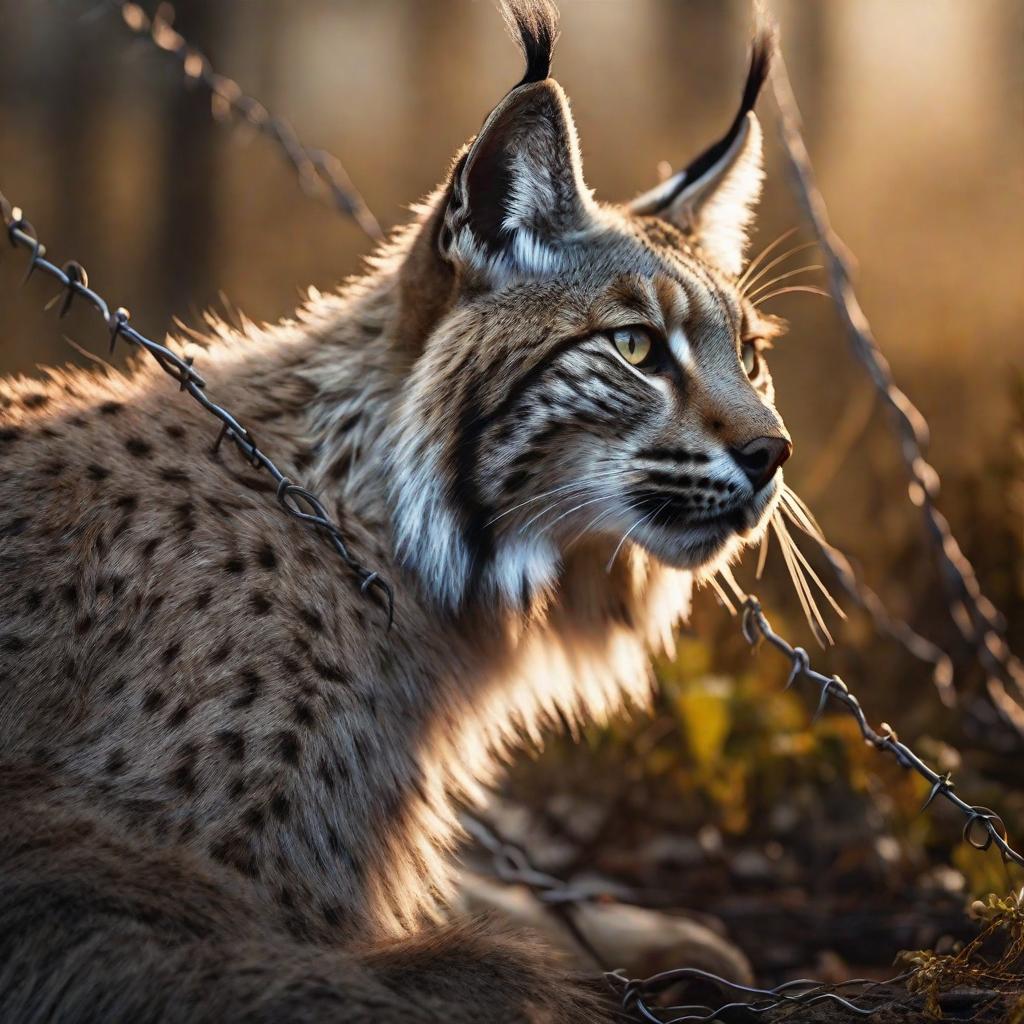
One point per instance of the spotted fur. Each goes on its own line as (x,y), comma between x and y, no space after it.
(228,790)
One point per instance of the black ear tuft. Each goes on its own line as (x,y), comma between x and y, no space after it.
(761,51)
(714,196)
(535,22)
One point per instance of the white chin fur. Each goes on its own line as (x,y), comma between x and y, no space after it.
(702,549)
(687,550)
(524,569)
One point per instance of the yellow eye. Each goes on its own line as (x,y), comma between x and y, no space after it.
(750,359)
(634,344)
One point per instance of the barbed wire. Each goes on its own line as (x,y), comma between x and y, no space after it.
(301,504)
(228,96)
(323,174)
(320,173)
(983,828)
(636,995)
(979,622)
(512,865)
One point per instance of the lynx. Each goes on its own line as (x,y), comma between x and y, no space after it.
(228,787)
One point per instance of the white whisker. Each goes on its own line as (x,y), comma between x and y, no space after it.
(726,573)
(643,519)
(825,592)
(554,490)
(800,570)
(581,488)
(797,508)
(770,247)
(798,513)
(750,282)
(575,508)
(762,554)
(799,583)
(600,515)
(765,285)
(793,288)
(720,592)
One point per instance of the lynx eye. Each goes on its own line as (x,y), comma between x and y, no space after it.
(633,344)
(751,360)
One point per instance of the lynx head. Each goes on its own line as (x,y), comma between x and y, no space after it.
(581,372)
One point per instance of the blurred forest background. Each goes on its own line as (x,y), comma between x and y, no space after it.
(727,803)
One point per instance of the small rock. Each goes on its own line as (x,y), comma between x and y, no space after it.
(752,866)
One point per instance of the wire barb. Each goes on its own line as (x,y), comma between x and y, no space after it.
(756,628)
(983,828)
(74,282)
(320,173)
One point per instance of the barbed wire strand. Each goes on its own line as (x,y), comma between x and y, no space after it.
(983,828)
(228,94)
(301,504)
(512,865)
(308,164)
(979,622)
(791,995)
(320,173)
(160,31)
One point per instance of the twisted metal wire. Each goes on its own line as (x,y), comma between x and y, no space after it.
(635,996)
(301,504)
(979,622)
(983,828)
(512,865)
(320,173)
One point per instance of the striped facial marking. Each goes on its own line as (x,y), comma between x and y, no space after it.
(594,405)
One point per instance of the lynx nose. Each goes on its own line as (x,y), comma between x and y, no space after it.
(760,458)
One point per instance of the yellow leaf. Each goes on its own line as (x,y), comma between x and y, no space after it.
(703,710)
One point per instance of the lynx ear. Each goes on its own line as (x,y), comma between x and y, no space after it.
(714,196)
(518,196)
